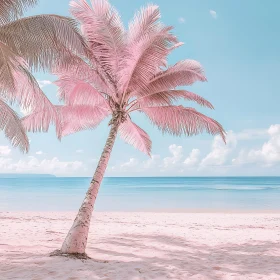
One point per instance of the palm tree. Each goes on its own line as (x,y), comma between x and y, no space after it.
(125,72)
(34,42)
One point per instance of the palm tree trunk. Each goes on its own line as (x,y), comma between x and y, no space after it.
(76,239)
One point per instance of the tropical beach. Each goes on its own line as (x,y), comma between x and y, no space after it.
(139,140)
(138,233)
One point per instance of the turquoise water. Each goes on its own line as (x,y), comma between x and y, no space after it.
(134,194)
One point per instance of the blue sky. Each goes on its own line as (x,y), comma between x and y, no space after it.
(238,44)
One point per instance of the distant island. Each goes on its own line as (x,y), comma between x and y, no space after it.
(22,175)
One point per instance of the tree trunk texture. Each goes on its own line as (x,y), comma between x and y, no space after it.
(76,239)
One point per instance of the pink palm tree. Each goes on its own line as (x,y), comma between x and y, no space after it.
(125,72)
(34,42)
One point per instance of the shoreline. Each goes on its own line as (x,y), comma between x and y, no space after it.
(159,211)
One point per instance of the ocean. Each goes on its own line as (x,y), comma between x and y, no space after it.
(142,194)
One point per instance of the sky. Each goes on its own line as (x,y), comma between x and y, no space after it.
(237,42)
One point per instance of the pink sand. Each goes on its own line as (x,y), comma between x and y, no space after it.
(132,246)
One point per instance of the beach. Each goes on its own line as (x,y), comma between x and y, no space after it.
(143,245)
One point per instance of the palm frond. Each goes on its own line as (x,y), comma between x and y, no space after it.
(184,73)
(42,40)
(104,31)
(82,69)
(10,63)
(140,36)
(170,96)
(78,92)
(18,84)
(81,117)
(178,120)
(40,121)
(12,127)
(144,58)
(13,9)
(149,43)
(176,46)
(135,136)
(145,22)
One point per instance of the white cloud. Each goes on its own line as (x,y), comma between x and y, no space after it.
(177,154)
(151,162)
(213,14)
(44,83)
(221,159)
(45,166)
(181,20)
(79,151)
(251,134)
(268,154)
(193,158)
(4,150)
(136,166)
(4,163)
(129,164)
(241,155)
(220,151)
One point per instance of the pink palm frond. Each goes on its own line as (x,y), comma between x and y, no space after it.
(81,117)
(176,46)
(104,31)
(144,59)
(178,120)
(42,40)
(80,69)
(18,84)
(13,9)
(149,44)
(145,22)
(77,92)
(184,73)
(12,127)
(35,42)
(40,121)
(170,96)
(10,63)
(28,93)
(135,136)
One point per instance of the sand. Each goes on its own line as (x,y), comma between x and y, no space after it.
(143,246)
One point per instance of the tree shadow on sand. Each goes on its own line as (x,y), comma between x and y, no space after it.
(209,261)
(164,257)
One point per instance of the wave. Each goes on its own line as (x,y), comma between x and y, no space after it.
(172,187)
(242,188)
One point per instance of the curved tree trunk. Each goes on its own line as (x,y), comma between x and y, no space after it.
(76,239)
